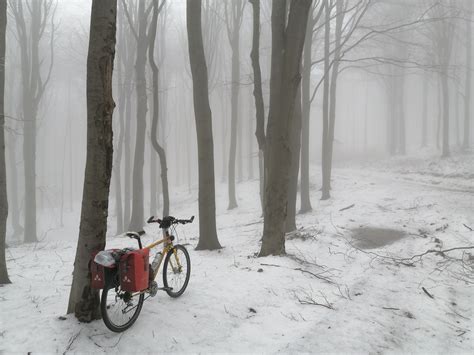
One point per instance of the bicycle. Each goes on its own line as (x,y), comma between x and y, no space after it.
(120,308)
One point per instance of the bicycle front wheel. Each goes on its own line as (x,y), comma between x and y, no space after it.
(120,309)
(176,271)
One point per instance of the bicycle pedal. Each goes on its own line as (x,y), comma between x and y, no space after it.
(165,288)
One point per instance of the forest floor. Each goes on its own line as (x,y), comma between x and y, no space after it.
(350,281)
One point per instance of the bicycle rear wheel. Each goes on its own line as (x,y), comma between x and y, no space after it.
(120,309)
(176,271)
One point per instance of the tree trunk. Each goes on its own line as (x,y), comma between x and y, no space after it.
(295,145)
(287,47)
(305,125)
(202,111)
(445,91)
(128,161)
(3,171)
(13,207)
(234,38)
(83,300)
(258,94)
(154,125)
(424,115)
(467,100)
(401,112)
(137,219)
(325,141)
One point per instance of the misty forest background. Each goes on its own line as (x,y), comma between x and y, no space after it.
(282,88)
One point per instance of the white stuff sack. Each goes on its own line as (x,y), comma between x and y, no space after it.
(105,258)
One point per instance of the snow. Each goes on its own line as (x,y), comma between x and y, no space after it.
(236,302)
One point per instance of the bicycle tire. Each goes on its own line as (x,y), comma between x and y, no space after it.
(168,261)
(104,309)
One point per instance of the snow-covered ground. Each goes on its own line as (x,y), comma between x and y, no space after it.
(331,293)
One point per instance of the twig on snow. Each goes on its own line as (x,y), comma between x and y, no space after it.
(425,291)
(71,341)
(346,208)
(465,225)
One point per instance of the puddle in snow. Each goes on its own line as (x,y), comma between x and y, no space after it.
(372,237)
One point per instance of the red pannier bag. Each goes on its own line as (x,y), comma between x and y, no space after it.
(98,272)
(134,270)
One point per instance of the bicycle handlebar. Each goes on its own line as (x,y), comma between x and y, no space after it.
(167,221)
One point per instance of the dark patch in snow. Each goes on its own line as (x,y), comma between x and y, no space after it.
(372,237)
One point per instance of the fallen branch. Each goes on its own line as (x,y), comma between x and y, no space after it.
(346,208)
(391,308)
(425,291)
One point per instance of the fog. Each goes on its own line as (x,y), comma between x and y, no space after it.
(393,136)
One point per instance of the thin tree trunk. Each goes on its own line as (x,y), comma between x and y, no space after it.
(424,115)
(128,161)
(202,111)
(137,219)
(284,83)
(325,141)
(445,91)
(305,123)
(14,208)
(154,125)
(4,279)
(83,300)
(401,110)
(467,100)
(234,38)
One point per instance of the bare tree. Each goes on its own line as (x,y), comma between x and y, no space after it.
(467,99)
(202,111)
(3,171)
(83,300)
(258,93)
(287,46)
(139,30)
(233,33)
(30,33)
(154,125)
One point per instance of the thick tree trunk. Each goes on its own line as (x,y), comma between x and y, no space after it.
(83,300)
(156,109)
(137,219)
(3,171)
(287,47)
(305,126)
(258,94)
(202,111)
(467,100)
(295,145)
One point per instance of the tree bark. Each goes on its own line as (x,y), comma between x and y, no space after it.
(295,145)
(154,125)
(202,111)
(4,279)
(287,47)
(83,300)
(258,94)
